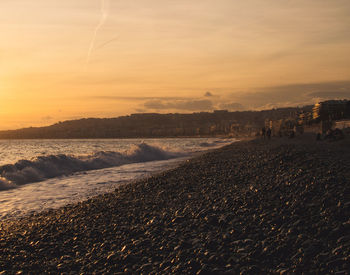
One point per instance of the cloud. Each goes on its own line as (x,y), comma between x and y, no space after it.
(142,98)
(232,106)
(292,95)
(47,118)
(140,110)
(183,105)
(107,42)
(256,99)
(331,95)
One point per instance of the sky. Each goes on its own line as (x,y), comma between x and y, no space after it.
(69,59)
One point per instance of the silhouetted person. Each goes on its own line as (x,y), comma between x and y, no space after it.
(333,135)
(338,134)
(263,132)
(268,133)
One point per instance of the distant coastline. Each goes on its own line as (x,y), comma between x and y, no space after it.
(219,123)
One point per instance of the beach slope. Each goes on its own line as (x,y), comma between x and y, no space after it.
(279,206)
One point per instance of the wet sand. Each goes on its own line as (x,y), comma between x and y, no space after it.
(280,206)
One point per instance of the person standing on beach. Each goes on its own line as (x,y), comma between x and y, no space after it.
(268,133)
(263,132)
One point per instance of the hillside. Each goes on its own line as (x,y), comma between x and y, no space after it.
(156,125)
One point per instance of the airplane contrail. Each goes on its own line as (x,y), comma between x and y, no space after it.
(106,43)
(104,15)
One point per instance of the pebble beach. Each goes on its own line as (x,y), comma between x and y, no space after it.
(278,206)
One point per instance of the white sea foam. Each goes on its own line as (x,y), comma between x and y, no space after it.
(6,184)
(46,167)
(40,174)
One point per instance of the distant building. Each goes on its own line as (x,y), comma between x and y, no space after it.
(305,118)
(342,124)
(331,110)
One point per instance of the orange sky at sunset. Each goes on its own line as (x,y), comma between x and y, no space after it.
(168,56)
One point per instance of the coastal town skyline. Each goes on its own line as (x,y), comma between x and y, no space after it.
(65,60)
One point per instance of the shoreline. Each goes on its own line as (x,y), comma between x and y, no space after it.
(171,164)
(140,137)
(53,191)
(253,206)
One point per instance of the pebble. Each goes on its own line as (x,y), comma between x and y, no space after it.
(253,207)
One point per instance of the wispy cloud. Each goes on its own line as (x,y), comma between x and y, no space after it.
(255,99)
(182,105)
(231,106)
(141,98)
(104,15)
(47,118)
(292,95)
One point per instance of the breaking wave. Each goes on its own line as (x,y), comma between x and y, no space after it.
(45,167)
(215,143)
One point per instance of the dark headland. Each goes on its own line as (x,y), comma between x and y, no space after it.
(254,207)
(153,125)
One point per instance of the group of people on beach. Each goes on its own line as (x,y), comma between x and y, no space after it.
(330,135)
(266,132)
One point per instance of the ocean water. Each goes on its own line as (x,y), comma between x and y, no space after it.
(37,175)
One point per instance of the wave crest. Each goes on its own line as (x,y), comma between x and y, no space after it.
(45,167)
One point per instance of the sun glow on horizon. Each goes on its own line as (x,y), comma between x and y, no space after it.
(160,56)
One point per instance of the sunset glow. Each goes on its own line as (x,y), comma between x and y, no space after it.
(163,56)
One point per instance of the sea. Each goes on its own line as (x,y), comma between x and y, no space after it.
(38,175)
